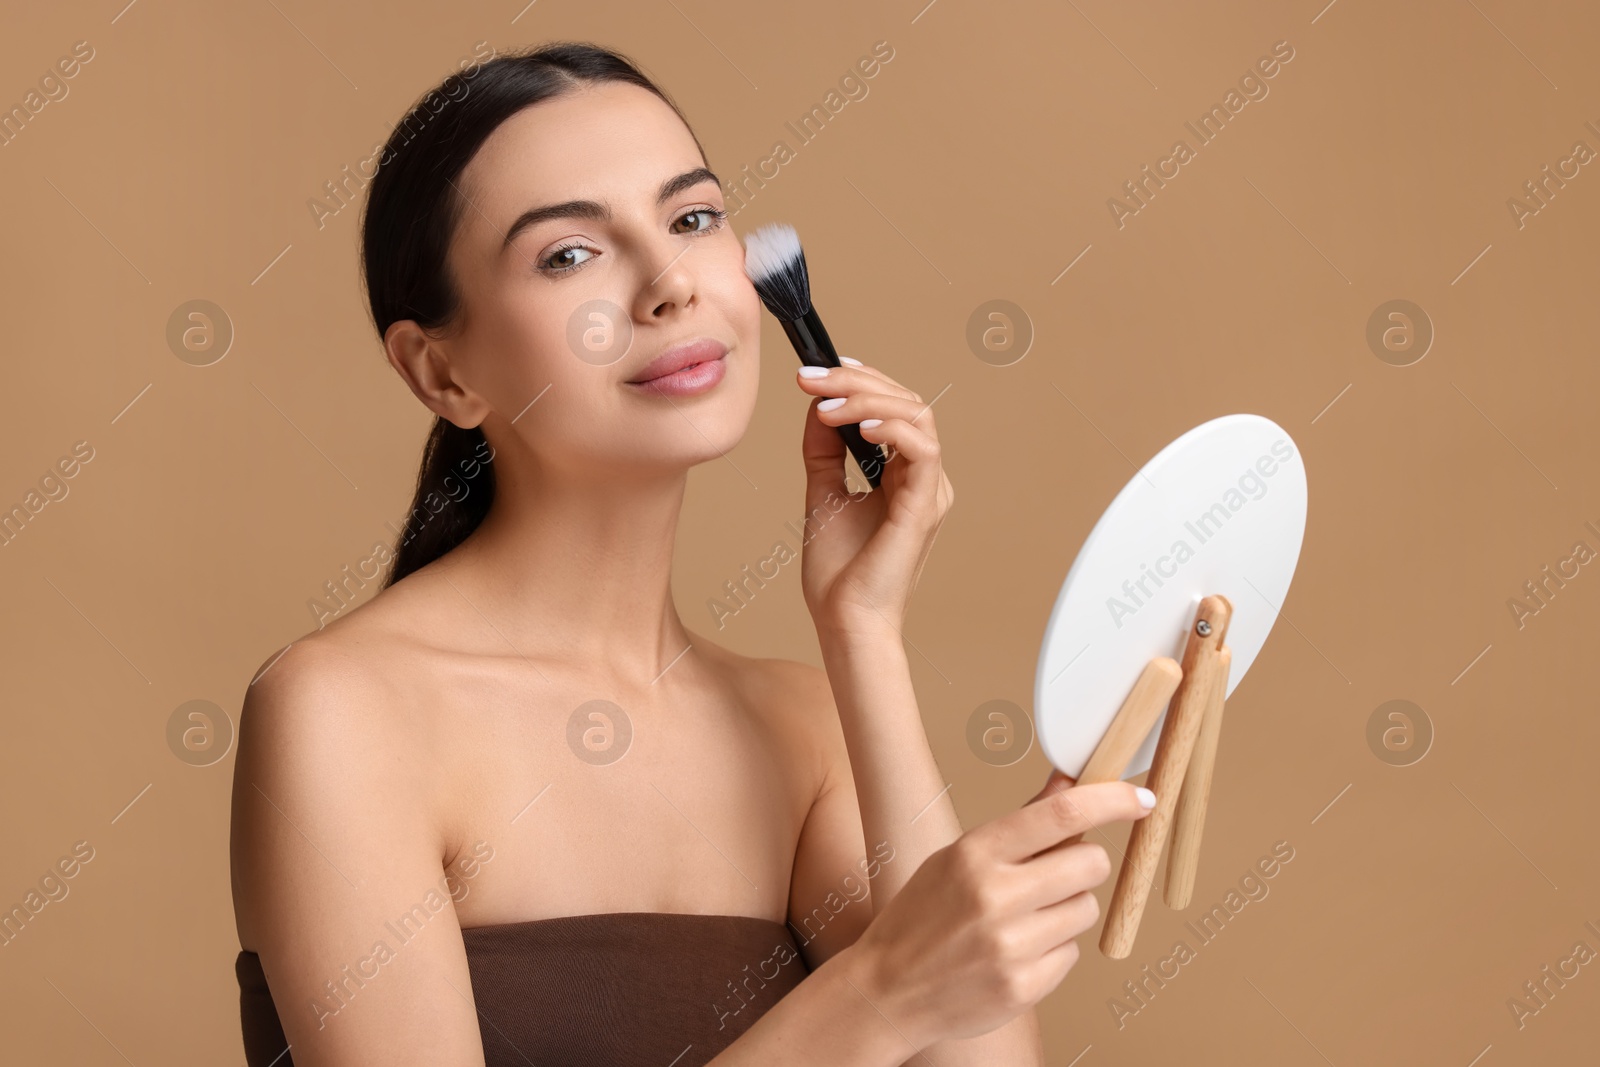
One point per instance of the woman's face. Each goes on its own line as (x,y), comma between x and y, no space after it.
(591,247)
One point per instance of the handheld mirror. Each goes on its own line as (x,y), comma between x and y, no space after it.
(1221,510)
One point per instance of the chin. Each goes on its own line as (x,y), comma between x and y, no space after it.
(714,431)
(704,433)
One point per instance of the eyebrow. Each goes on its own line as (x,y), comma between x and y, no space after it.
(593,209)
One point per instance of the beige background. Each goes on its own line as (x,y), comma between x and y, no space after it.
(978,167)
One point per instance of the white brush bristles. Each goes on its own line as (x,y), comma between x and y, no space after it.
(776,265)
(770,249)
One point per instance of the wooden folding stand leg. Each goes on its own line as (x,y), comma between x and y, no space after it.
(1183,859)
(1132,724)
(1195,713)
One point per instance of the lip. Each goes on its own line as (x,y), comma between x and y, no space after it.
(699,350)
(684,370)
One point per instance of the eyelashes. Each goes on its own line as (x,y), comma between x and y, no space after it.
(560,250)
(718,218)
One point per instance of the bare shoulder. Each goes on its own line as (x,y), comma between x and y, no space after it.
(783,686)
(796,698)
(343,696)
(803,684)
(327,755)
(325,683)
(316,688)
(328,683)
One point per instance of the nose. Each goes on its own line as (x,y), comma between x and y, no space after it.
(672,286)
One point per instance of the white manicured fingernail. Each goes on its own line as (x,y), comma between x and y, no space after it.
(829,405)
(867,424)
(814,372)
(851,362)
(1147,799)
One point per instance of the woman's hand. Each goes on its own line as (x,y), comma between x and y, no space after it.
(985,927)
(865,552)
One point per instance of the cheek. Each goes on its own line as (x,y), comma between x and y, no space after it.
(752,310)
(744,311)
(740,303)
(528,344)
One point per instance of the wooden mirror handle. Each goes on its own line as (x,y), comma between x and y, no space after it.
(1202,661)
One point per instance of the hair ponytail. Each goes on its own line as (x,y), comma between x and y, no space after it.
(454,490)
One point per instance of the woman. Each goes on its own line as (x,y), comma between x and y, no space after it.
(511,810)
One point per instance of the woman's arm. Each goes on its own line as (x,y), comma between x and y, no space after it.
(979,934)
(859,569)
(861,561)
(904,799)
(902,795)
(830,1017)
(337,871)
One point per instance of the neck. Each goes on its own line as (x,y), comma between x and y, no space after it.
(579,569)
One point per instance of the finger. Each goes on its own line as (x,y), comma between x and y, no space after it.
(840,381)
(1053,926)
(1034,827)
(867,368)
(872,405)
(822,451)
(1061,872)
(886,379)
(923,475)
(1054,784)
(1054,965)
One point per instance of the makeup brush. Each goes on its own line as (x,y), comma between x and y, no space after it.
(775,262)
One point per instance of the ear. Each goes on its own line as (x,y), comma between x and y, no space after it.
(424,364)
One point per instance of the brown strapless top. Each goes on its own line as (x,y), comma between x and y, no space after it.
(613,989)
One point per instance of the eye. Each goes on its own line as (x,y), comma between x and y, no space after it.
(561,261)
(570,256)
(713,220)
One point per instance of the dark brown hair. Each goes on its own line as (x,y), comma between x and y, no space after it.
(411,214)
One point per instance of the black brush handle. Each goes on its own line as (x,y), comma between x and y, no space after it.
(811,341)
